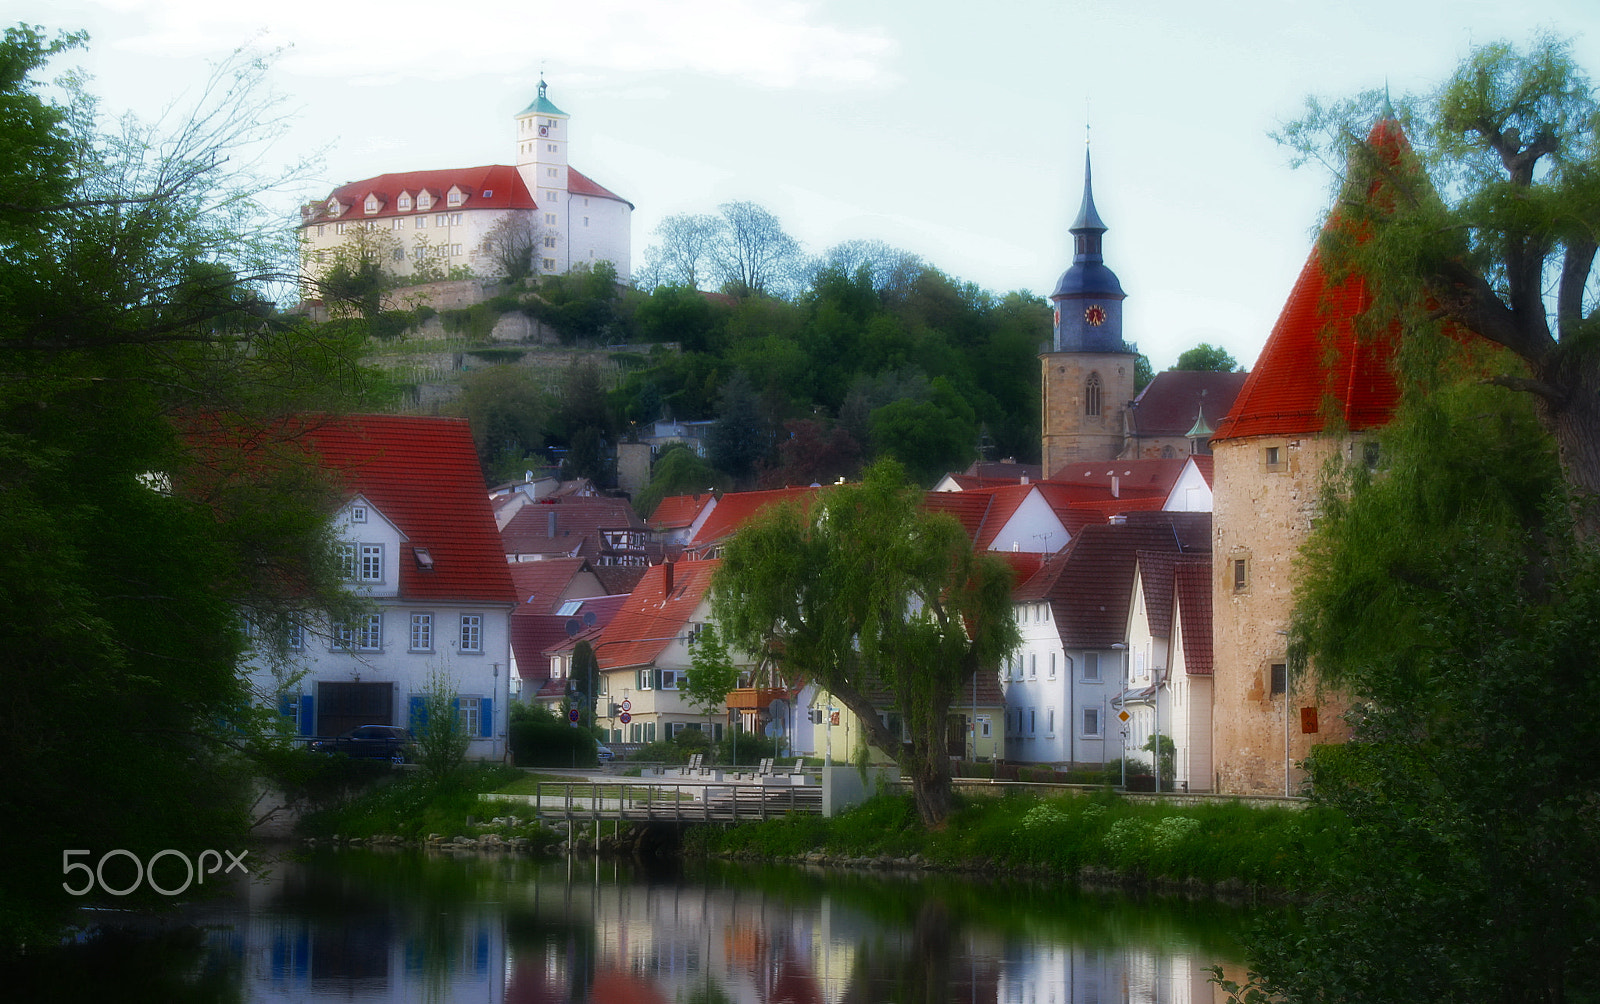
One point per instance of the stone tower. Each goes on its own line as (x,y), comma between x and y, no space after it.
(1317,392)
(1087,377)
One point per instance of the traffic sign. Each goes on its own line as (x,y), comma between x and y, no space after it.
(624,718)
(627,705)
(572,716)
(1123,715)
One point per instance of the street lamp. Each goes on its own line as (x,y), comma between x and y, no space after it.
(1122,650)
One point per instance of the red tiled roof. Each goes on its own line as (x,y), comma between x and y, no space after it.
(1205,463)
(655,614)
(423,475)
(1002,504)
(1192,587)
(1157,474)
(1004,472)
(503,184)
(534,636)
(1155,574)
(541,585)
(1169,403)
(1091,595)
(1314,368)
(578,521)
(736,508)
(678,511)
(581,184)
(1024,566)
(1038,585)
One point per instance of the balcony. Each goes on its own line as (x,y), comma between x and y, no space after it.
(754,698)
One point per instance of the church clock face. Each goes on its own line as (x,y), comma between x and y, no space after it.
(1095,315)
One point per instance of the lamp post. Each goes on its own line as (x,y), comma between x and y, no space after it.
(1121,649)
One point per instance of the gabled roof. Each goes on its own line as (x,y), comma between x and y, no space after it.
(1155,575)
(579,183)
(984,512)
(1157,474)
(1024,566)
(1039,584)
(1168,404)
(679,511)
(535,636)
(735,509)
(492,186)
(1314,369)
(1192,589)
(1091,596)
(577,522)
(423,475)
(656,613)
(542,585)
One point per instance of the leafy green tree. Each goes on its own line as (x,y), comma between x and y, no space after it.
(508,409)
(583,688)
(866,592)
(441,739)
(712,675)
(736,442)
(1206,358)
(752,254)
(1490,225)
(930,437)
(137,350)
(678,471)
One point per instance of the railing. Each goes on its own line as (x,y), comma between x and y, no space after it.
(753,698)
(667,802)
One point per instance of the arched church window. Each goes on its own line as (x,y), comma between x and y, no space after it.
(1091,395)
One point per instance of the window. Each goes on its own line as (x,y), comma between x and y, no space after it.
(371,205)
(371,562)
(549,240)
(488,193)
(644,679)
(586,221)
(441,220)
(420,251)
(550,148)
(983,726)
(1091,667)
(550,196)
(455,219)
(670,678)
(338,228)
(550,218)
(422,223)
(1050,721)
(1280,678)
(422,632)
(320,229)
(549,264)
(346,554)
(455,250)
(1033,666)
(550,171)
(1241,573)
(472,632)
(471,707)
(1091,395)
(424,200)
(404,203)
(358,514)
(453,198)
(1032,720)
(397,224)
(1272,459)
(1091,722)
(1052,665)
(296,641)
(366,635)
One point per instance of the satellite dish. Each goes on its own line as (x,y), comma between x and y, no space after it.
(573,627)
(588,618)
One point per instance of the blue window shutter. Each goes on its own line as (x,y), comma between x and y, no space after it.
(308,715)
(486,716)
(419,714)
(286,705)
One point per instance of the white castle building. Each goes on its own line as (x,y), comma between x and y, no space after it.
(446,215)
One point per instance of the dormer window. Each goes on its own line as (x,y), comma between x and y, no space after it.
(334,207)
(372,204)
(455,197)
(404,202)
(424,200)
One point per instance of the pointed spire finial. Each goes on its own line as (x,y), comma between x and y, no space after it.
(1388,106)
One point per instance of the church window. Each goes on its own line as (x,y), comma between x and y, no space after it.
(1091,395)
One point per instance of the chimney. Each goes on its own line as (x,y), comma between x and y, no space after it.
(1116,493)
(1024,479)
(666,577)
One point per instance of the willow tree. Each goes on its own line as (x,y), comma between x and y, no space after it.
(1493,228)
(885,605)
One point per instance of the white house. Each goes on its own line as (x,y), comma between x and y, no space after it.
(418,543)
(446,215)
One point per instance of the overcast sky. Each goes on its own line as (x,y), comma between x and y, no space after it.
(953,130)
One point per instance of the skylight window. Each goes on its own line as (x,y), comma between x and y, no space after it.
(569,608)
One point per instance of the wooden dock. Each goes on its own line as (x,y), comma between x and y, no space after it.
(704,801)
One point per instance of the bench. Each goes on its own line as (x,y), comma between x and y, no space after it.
(693,766)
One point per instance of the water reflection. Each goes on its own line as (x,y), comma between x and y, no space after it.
(361,926)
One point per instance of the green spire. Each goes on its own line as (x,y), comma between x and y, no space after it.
(542,105)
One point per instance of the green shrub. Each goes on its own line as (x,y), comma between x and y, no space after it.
(541,738)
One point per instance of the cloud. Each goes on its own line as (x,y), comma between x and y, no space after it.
(770,43)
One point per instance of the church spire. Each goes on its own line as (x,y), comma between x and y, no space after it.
(1088,298)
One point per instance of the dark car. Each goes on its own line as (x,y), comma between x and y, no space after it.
(369,742)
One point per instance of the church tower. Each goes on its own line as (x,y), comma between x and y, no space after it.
(1087,376)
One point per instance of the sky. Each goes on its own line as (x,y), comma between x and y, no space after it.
(952,130)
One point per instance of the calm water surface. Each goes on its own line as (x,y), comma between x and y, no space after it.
(366,926)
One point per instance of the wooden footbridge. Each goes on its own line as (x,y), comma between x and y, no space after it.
(702,800)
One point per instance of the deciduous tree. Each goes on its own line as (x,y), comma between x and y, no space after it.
(873,597)
(1207,358)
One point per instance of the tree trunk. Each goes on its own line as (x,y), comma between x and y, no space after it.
(930,786)
(1575,424)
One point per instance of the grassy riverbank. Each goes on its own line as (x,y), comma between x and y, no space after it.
(1222,846)
(410,805)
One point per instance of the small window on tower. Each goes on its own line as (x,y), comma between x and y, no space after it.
(1091,395)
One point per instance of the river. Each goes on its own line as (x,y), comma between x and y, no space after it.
(369,926)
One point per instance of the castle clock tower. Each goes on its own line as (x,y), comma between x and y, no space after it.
(1087,376)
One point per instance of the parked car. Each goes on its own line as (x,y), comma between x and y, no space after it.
(369,742)
(603,753)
